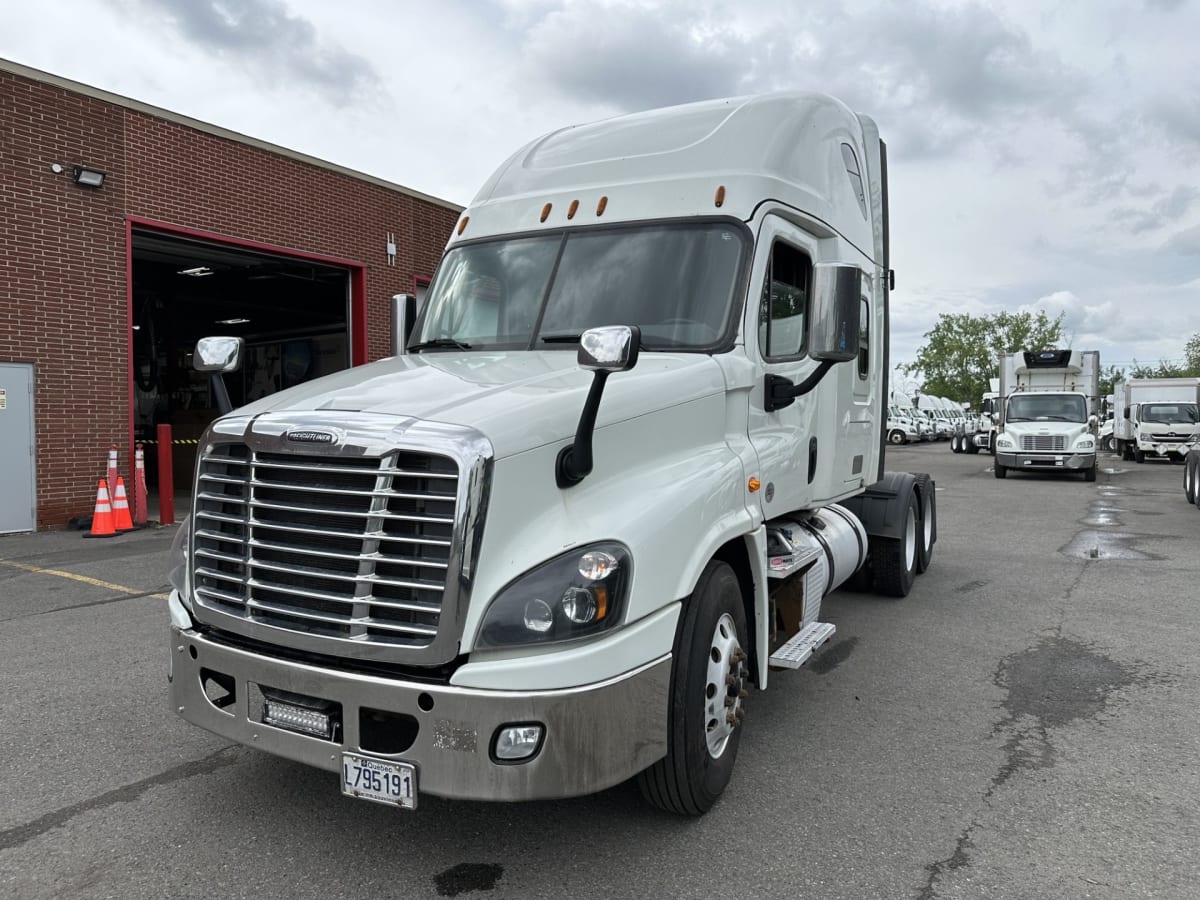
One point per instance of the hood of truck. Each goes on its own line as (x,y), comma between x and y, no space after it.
(517,399)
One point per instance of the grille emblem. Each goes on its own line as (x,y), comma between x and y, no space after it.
(311,437)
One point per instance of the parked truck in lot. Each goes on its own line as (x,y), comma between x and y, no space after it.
(635,437)
(1154,417)
(1049,405)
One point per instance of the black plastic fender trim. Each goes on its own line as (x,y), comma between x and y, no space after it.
(882,505)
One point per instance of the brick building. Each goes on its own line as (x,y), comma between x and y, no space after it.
(192,230)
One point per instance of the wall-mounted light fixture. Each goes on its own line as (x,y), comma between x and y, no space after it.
(86,176)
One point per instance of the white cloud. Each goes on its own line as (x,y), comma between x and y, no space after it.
(1039,154)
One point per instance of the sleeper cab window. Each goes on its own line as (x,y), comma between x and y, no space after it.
(783,309)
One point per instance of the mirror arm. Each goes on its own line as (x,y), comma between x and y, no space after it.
(779,392)
(574,461)
(216,383)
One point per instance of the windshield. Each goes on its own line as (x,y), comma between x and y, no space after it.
(1046,408)
(675,281)
(1168,413)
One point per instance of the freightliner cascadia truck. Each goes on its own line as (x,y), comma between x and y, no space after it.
(635,436)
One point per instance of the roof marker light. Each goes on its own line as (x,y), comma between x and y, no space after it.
(572,209)
(462,223)
(601,204)
(719,197)
(545,213)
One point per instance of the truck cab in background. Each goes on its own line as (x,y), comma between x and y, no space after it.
(1049,412)
(1155,417)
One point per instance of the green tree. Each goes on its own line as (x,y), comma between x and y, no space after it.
(1109,376)
(961,351)
(1189,368)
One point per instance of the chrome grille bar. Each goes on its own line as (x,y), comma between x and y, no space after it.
(350,547)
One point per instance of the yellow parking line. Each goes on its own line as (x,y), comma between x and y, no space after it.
(61,574)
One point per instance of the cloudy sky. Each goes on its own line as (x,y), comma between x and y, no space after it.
(1042,155)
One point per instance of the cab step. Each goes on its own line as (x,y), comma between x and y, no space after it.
(796,651)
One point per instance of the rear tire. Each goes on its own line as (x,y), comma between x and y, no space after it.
(927,525)
(896,558)
(702,741)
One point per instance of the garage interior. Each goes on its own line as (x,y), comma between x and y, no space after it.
(292,312)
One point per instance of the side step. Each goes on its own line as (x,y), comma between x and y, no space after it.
(800,646)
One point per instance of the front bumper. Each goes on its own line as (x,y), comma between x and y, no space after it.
(1046,461)
(596,736)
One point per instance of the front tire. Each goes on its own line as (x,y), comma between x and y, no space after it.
(998,470)
(1089,474)
(1139,456)
(709,677)
(1189,477)
(896,437)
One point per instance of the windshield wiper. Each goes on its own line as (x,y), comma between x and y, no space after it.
(439,344)
(560,338)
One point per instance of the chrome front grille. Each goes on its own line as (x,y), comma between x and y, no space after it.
(1044,443)
(345,547)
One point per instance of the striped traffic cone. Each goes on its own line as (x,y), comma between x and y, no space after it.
(111,476)
(122,521)
(102,518)
(139,489)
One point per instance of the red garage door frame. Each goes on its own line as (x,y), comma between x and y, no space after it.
(358,287)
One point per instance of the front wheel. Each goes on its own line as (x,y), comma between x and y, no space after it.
(1089,474)
(1139,456)
(709,682)
(1189,477)
(896,437)
(998,470)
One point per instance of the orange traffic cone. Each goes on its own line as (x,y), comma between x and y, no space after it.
(122,521)
(102,518)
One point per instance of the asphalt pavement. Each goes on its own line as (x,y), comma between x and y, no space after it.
(1022,725)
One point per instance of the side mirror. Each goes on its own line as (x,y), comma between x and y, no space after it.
(218,354)
(609,349)
(1093,422)
(404,317)
(834,322)
(613,348)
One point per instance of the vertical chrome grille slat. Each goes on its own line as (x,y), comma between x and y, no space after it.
(351,547)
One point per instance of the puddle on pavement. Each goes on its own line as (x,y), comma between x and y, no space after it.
(1090,544)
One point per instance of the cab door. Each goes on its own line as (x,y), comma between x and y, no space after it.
(822,446)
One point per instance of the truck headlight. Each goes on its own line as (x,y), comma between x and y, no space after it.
(1085,444)
(177,562)
(1006,443)
(577,594)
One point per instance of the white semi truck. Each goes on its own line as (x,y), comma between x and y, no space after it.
(1154,417)
(1049,405)
(636,437)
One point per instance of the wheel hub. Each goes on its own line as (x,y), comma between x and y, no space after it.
(725,686)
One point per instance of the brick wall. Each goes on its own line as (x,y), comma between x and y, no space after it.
(62,251)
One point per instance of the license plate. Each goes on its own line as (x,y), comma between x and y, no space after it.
(380,780)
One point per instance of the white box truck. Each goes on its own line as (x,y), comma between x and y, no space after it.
(1154,417)
(636,436)
(1049,405)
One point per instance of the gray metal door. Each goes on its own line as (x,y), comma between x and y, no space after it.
(16,448)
